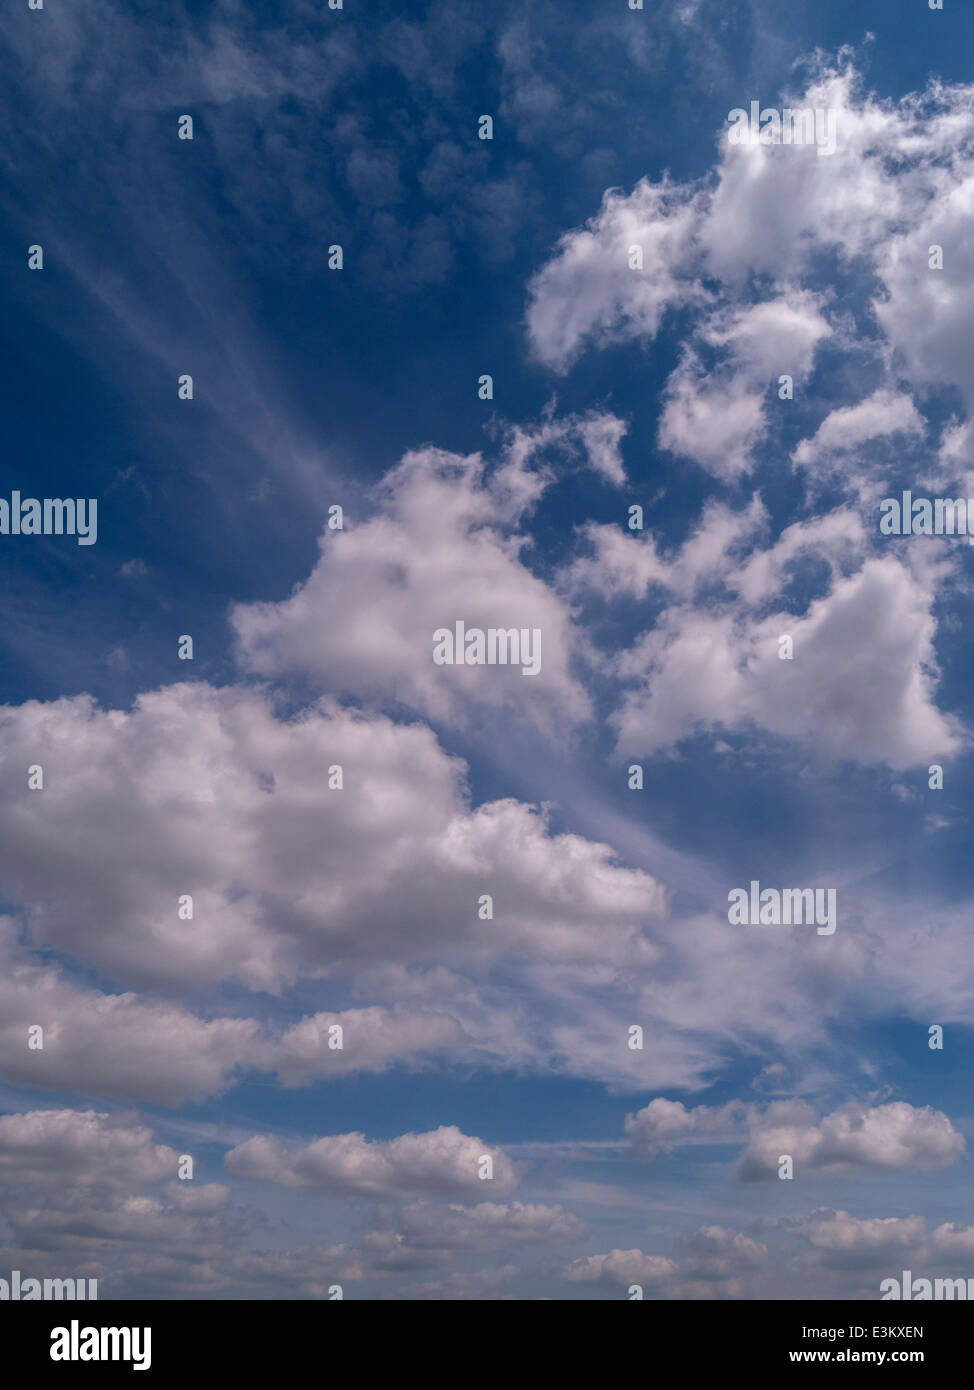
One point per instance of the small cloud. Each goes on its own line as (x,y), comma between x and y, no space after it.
(133,569)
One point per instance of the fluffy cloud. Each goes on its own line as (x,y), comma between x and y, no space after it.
(860,686)
(715,1253)
(848,1242)
(443,547)
(896,1136)
(893,1136)
(372,1040)
(668,1124)
(716,422)
(879,416)
(81,1148)
(486,1226)
(75,1222)
(99,1193)
(443,1161)
(206,792)
(898,184)
(136,1047)
(717,416)
(629,564)
(862,683)
(955,1242)
(863,686)
(123,1045)
(710,1262)
(588,290)
(217,793)
(621,1268)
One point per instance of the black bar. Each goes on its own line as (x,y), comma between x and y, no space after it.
(395,1338)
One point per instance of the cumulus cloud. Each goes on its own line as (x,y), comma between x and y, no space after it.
(207,792)
(81,1148)
(836,538)
(216,793)
(714,421)
(954,1241)
(443,547)
(668,1124)
(74,1222)
(486,1226)
(709,1262)
(898,185)
(443,1161)
(842,1241)
(624,563)
(859,687)
(895,1136)
(890,1137)
(620,1268)
(898,181)
(372,1039)
(136,1047)
(123,1045)
(879,416)
(589,291)
(716,415)
(98,1190)
(712,659)
(715,1253)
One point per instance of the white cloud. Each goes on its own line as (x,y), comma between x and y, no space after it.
(844,1241)
(716,1253)
(626,563)
(954,1241)
(717,416)
(486,1226)
(587,291)
(714,421)
(373,1039)
(443,1162)
(860,686)
(81,1148)
(122,1045)
(206,792)
(900,182)
(443,547)
(883,414)
(893,1137)
(621,1268)
(667,1124)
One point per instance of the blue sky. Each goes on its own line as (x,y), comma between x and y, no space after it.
(612,387)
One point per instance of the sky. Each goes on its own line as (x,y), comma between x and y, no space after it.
(610,377)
